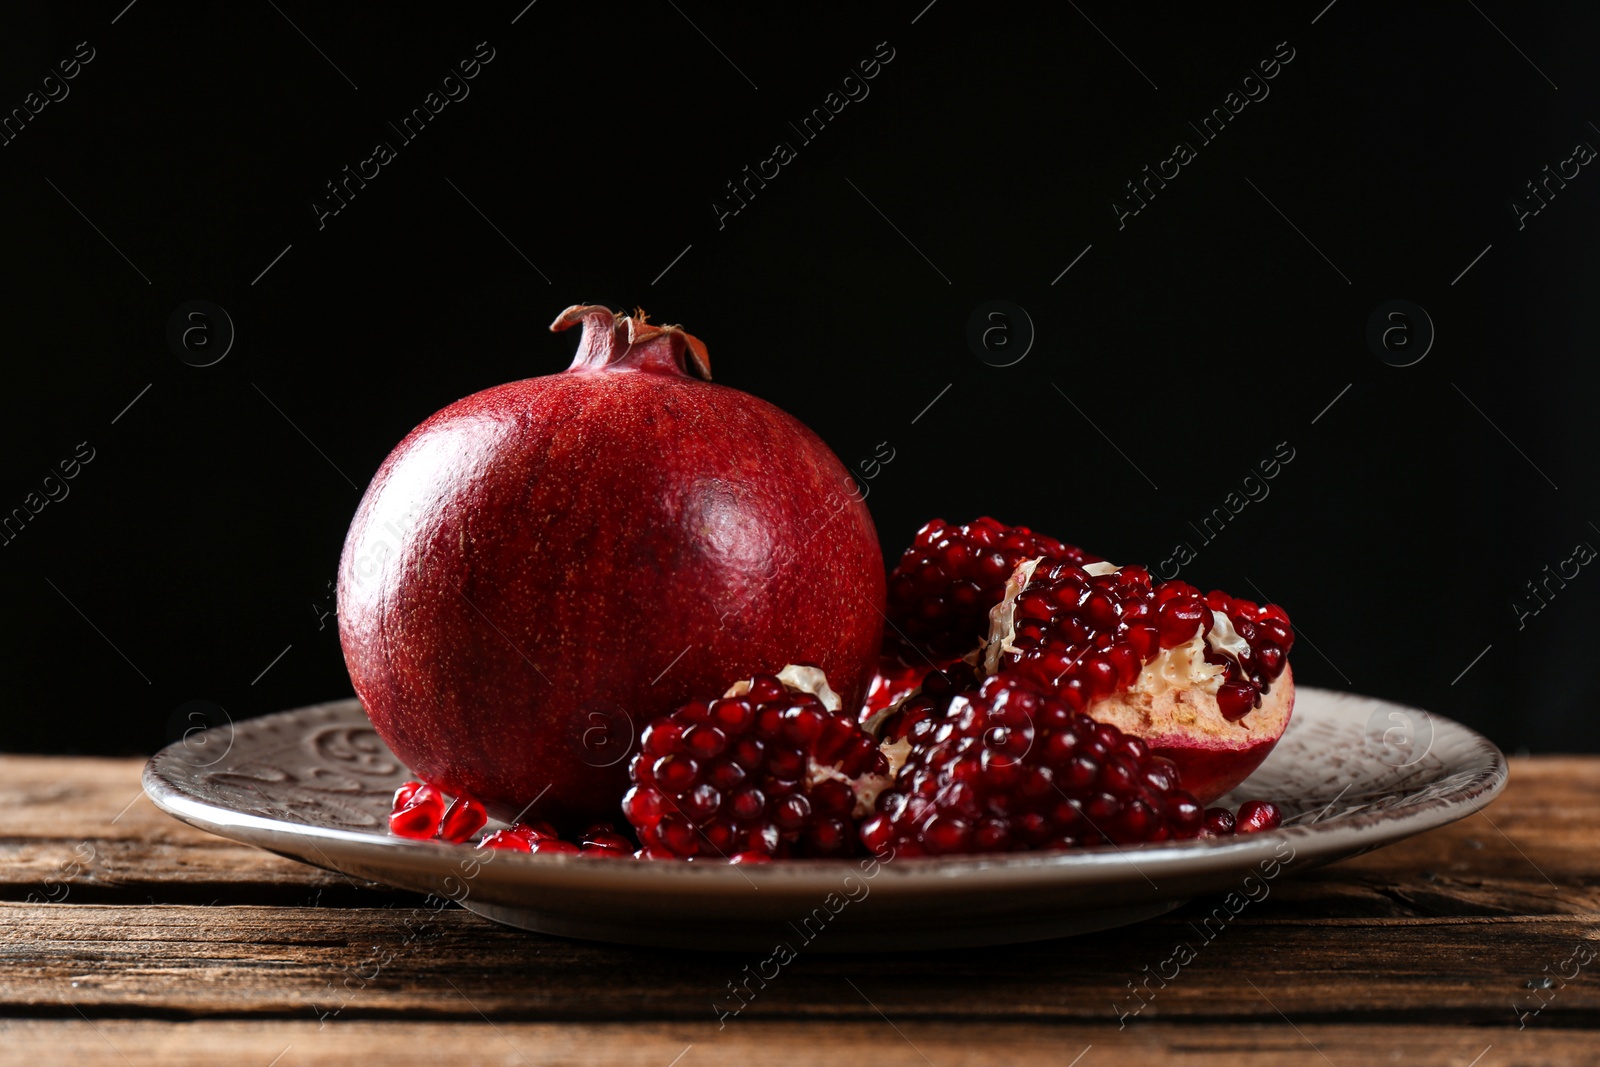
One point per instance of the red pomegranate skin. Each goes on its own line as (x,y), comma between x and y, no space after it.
(540,569)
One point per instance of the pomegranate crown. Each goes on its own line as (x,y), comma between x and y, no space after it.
(614,340)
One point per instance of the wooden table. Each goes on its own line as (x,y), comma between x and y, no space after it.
(130,938)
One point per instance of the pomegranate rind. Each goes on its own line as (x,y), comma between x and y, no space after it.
(1187,726)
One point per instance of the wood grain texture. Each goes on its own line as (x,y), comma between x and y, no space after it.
(180,947)
(82,831)
(131,1043)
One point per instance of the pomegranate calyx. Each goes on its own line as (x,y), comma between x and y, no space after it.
(631,341)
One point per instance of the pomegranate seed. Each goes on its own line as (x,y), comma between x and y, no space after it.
(1237,699)
(1185,817)
(552,846)
(1257,815)
(462,819)
(532,830)
(418,816)
(602,839)
(507,840)
(1219,822)
(652,852)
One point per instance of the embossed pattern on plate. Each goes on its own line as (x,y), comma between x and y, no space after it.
(1351,773)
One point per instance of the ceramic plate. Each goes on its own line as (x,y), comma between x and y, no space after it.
(315,784)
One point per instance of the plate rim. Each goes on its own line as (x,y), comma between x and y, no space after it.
(1320,842)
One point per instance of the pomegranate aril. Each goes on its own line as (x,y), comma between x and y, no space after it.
(674,833)
(1257,815)
(1185,817)
(705,741)
(661,737)
(655,852)
(1219,821)
(1179,619)
(765,689)
(792,812)
(552,846)
(830,837)
(1237,699)
(675,773)
(462,819)
(418,816)
(507,840)
(603,838)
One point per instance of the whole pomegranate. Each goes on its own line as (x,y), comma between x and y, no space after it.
(539,570)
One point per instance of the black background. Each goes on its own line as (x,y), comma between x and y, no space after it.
(199,542)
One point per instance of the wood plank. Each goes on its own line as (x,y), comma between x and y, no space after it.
(133,1043)
(79,830)
(183,961)
(1450,927)
(1425,952)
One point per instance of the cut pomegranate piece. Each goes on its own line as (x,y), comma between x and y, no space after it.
(1010,767)
(417,810)
(942,590)
(1204,680)
(772,768)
